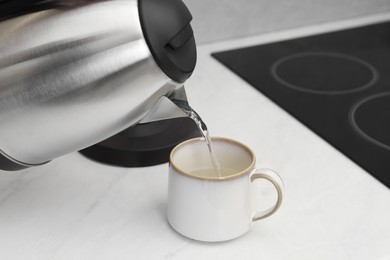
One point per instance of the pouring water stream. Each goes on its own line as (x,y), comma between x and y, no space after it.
(184,106)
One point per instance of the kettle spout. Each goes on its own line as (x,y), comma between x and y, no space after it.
(173,105)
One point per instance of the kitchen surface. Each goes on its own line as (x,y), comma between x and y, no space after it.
(337,84)
(75,208)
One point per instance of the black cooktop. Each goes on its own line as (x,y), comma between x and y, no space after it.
(337,84)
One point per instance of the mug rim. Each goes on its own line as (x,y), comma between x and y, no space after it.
(211,178)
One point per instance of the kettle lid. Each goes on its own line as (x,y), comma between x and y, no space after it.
(168,33)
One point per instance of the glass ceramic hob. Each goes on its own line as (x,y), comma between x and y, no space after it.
(337,84)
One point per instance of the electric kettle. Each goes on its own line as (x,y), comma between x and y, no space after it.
(73,75)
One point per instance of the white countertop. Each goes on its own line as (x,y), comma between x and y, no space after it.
(74,208)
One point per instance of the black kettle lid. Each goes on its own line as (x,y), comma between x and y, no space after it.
(168,33)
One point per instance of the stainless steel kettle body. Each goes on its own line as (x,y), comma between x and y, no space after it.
(71,78)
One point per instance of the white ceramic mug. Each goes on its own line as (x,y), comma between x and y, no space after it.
(211,208)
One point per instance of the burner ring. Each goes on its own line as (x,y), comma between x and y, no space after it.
(374,75)
(355,125)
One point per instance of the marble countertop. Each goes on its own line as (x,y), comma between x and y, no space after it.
(74,208)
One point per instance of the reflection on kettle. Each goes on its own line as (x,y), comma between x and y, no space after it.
(72,77)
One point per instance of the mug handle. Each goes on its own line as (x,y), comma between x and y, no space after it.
(275,179)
